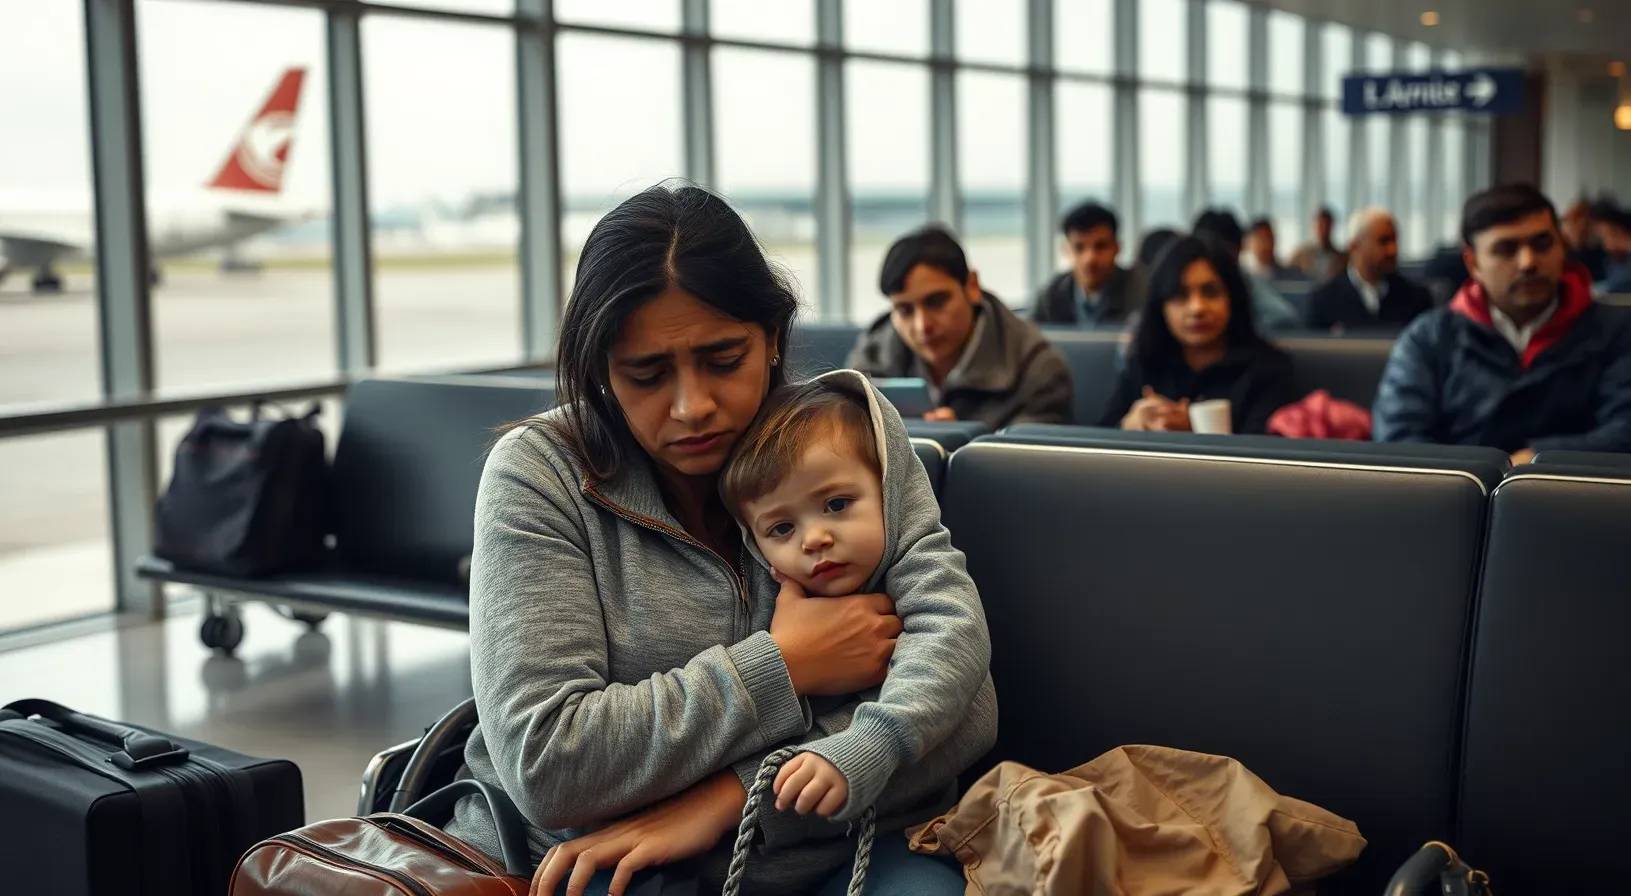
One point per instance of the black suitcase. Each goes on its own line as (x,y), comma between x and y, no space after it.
(91,807)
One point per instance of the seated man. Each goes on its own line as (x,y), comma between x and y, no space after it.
(1320,259)
(1095,290)
(982,361)
(1372,293)
(1614,232)
(1259,259)
(1522,359)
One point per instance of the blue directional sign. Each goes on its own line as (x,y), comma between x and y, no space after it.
(1491,90)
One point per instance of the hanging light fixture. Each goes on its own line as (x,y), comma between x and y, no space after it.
(1622,111)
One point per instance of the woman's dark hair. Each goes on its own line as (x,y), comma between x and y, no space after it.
(1153,342)
(666,235)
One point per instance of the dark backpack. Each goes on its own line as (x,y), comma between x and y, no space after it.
(246,499)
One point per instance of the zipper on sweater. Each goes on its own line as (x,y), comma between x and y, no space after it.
(301,843)
(737,578)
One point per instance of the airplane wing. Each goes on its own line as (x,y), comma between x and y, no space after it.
(19,250)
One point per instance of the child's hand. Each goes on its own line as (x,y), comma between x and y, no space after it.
(809,782)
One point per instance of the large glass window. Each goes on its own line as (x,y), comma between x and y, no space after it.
(1226,152)
(237,171)
(1161,141)
(1226,44)
(644,15)
(1336,55)
(991,150)
(1337,167)
(991,31)
(785,21)
(1163,40)
(1285,172)
(900,27)
(765,152)
(1286,38)
(1416,239)
(1083,147)
(48,310)
(56,557)
(1452,165)
(442,187)
(606,158)
(1084,35)
(887,124)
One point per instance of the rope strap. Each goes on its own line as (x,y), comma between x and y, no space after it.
(750,812)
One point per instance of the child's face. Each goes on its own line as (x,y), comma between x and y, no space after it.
(822,526)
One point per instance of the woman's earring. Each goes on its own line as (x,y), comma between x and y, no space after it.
(775,359)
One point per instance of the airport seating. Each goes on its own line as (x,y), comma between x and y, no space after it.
(1546,774)
(819,347)
(934,457)
(950,434)
(1349,367)
(404,483)
(1094,359)
(1141,597)
(1604,461)
(1487,465)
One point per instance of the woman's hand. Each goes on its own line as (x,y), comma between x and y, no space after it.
(834,645)
(809,783)
(1157,413)
(677,828)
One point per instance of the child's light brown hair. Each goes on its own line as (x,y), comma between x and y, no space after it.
(792,418)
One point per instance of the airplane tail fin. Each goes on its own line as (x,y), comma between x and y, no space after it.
(257,160)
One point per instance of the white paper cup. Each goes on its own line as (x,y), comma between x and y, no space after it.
(1210,416)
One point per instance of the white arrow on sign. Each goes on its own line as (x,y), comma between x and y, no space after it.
(1481,89)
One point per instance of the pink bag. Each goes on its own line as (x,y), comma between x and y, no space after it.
(1319,416)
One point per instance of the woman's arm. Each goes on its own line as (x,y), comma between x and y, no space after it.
(570,747)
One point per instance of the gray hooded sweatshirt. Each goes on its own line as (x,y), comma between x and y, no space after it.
(616,661)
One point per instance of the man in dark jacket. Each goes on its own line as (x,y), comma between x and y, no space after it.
(981,361)
(1095,290)
(1371,293)
(1522,359)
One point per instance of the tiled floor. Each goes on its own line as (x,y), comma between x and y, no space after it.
(328,699)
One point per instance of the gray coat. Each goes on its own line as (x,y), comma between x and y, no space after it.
(1013,375)
(616,661)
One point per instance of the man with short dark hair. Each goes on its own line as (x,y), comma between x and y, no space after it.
(1372,293)
(1614,233)
(1321,259)
(1095,290)
(1522,359)
(981,361)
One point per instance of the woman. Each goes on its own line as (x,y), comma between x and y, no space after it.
(631,666)
(1196,342)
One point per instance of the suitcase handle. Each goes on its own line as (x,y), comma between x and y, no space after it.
(139,750)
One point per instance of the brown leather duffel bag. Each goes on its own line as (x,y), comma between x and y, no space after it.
(391,854)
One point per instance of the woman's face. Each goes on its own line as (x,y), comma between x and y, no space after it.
(1198,315)
(689,380)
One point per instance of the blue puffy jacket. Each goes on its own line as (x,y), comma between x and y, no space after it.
(1453,379)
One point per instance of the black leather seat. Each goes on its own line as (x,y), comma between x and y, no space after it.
(1094,359)
(404,484)
(1489,465)
(1606,462)
(1349,367)
(1169,599)
(1547,769)
(933,455)
(951,434)
(819,347)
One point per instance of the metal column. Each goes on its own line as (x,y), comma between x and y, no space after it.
(1040,166)
(697,85)
(540,187)
(353,255)
(945,196)
(832,180)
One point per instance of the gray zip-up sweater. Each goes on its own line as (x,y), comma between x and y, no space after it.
(616,661)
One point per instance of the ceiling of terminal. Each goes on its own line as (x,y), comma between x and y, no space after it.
(1600,28)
